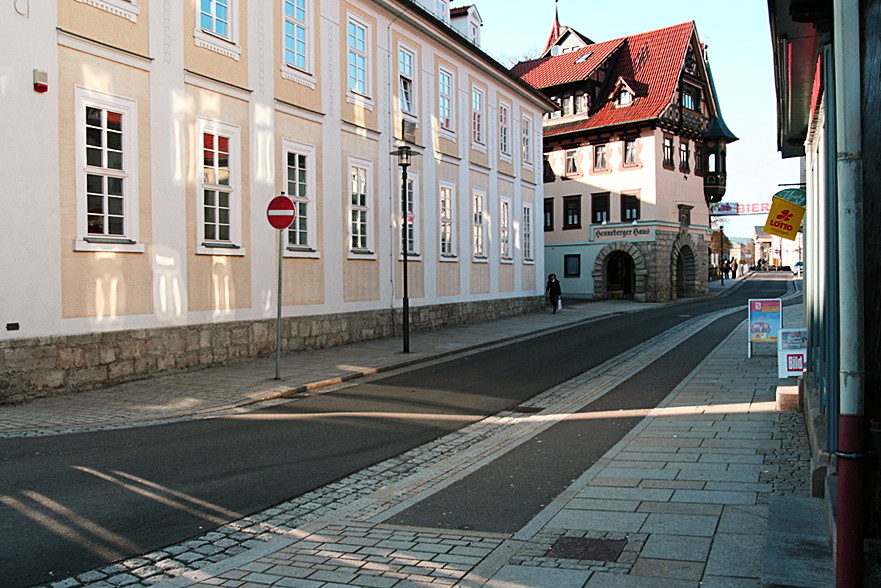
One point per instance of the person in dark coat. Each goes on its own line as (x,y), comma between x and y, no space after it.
(553,290)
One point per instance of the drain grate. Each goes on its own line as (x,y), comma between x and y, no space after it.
(586,548)
(527,409)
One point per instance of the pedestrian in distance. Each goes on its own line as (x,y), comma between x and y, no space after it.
(733,265)
(725,268)
(554,292)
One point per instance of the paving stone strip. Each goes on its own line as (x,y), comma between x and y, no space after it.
(373,492)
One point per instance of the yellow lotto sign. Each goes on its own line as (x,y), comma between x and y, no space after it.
(784,219)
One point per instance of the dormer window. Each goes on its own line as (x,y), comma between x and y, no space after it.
(689,98)
(625,97)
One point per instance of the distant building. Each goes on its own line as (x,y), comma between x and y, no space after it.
(633,155)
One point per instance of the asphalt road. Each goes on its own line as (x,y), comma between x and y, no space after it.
(75,502)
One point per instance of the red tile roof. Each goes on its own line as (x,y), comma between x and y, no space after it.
(653,60)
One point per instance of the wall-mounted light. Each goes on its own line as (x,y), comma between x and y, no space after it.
(41,81)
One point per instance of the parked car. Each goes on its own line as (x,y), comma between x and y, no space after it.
(798,268)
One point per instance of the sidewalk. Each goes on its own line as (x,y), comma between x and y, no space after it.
(680,501)
(215,391)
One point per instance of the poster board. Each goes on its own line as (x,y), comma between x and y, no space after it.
(792,352)
(764,322)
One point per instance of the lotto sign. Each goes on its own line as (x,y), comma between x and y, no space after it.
(792,352)
(764,319)
(786,214)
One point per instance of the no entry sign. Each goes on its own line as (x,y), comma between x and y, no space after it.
(281,212)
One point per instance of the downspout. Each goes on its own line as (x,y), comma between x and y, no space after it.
(851,434)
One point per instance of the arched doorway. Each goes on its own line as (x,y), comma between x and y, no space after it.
(686,273)
(620,275)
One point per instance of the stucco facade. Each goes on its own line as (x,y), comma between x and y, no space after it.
(137,185)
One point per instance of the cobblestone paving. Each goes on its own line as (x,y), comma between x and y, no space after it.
(722,447)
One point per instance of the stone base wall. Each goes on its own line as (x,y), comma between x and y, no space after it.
(49,366)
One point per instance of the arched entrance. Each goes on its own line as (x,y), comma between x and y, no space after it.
(620,275)
(686,273)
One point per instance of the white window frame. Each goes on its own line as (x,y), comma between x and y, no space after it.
(407,80)
(298,24)
(526,141)
(505,233)
(447,123)
(307,201)
(528,243)
(127,9)
(628,161)
(447,220)
(234,245)
(364,53)
(411,219)
(478,118)
(226,45)
(478,225)
(368,209)
(129,241)
(505,130)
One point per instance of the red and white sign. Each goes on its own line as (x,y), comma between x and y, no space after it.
(281,212)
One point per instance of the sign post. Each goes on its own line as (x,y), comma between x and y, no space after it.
(281,214)
(765,319)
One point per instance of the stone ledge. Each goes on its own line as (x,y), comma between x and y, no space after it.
(51,366)
(788,398)
(798,552)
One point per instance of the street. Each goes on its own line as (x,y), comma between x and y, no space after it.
(137,490)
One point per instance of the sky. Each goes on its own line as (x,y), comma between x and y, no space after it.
(738,41)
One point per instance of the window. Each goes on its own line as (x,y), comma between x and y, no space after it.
(505,229)
(408,221)
(600,207)
(216,193)
(478,224)
(445,99)
(624,98)
(527,232)
(106,194)
(295,34)
(689,99)
(405,71)
(572,212)
(504,130)
(599,158)
(683,157)
(298,163)
(630,152)
(566,105)
(699,167)
(526,145)
(571,162)
(581,101)
(549,214)
(572,266)
(359,210)
(219,189)
(668,152)
(446,220)
(357,57)
(477,115)
(629,207)
(548,170)
(127,9)
(441,10)
(214,17)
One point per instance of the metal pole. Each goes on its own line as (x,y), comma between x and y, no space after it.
(278,308)
(404,246)
(852,428)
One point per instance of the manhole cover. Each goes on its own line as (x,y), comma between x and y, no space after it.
(584,548)
(527,409)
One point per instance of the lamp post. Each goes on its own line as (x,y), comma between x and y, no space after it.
(404,154)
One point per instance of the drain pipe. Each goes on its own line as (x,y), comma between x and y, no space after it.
(849,172)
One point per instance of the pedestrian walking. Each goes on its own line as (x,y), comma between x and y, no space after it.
(725,268)
(554,292)
(733,265)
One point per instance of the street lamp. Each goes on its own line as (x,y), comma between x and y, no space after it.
(404,154)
